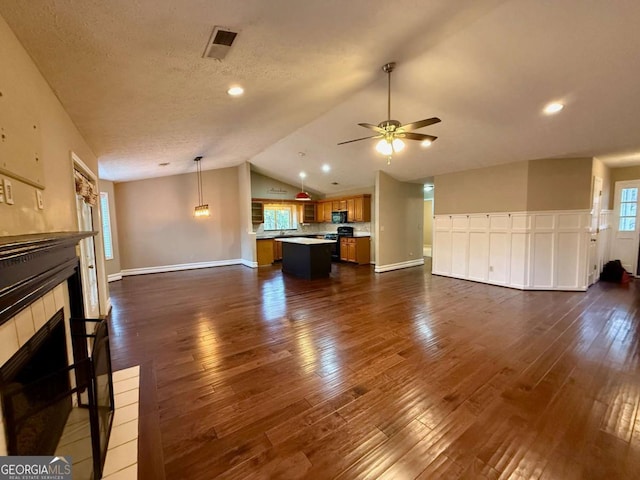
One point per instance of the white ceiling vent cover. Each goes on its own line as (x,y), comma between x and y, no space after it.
(220,42)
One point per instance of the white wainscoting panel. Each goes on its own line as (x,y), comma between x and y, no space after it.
(478,255)
(524,250)
(542,265)
(498,258)
(459,253)
(441,260)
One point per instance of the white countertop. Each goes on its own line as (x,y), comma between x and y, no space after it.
(305,241)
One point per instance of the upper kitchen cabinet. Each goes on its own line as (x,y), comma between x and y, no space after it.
(257,212)
(307,212)
(361,209)
(358,208)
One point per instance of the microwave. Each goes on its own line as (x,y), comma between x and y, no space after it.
(339,217)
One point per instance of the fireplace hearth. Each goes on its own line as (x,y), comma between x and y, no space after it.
(42,384)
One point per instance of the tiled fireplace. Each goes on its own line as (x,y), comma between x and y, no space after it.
(43,353)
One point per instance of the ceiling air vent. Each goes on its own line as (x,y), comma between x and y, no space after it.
(220,42)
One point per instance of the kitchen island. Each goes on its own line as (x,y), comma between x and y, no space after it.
(306,257)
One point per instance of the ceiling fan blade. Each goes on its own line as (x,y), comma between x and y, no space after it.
(419,124)
(358,139)
(416,136)
(373,127)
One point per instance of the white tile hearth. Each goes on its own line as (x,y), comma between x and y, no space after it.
(122,451)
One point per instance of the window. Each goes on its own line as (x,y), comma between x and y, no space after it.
(628,209)
(106,226)
(279,217)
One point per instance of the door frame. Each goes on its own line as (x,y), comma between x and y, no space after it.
(104,301)
(617,188)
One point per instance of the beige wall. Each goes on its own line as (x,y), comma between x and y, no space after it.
(535,185)
(112,266)
(501,188)
(399,217)
(428,222)
(559,184)
(602,171)
(267,187)
(247,236)
(21,81)
(621,174)
(157,227)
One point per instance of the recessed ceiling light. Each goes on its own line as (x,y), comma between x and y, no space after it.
(425,143)
(163,164)
(428,188)
(553,107)
(235,91)
(326,168)
(303,175)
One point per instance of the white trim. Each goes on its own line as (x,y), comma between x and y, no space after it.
(114,277)
(398,266)
(108,305)
(248,263)
(182,266)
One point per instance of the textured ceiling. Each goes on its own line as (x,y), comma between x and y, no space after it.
(132,77)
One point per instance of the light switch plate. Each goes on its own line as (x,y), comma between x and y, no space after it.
(8,192)
(39,199)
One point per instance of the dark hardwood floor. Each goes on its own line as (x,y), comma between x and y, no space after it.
(251,374)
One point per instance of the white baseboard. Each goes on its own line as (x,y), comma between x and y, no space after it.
(182,266)
(249,264)
(114,276)
(397,266)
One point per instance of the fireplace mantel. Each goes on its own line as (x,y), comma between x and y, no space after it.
(31,265)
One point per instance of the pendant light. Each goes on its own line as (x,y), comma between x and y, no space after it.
(202,209)
(303,196)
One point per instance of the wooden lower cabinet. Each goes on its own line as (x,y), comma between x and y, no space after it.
(264,251)
(356,250)
(277,250)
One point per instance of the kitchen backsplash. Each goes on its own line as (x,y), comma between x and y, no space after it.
(321,228)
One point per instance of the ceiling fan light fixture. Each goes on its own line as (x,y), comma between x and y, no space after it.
(426,143)
(386,147)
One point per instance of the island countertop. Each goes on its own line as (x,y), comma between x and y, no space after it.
(305,241)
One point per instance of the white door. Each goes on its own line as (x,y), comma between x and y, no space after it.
(88,261)
(624,245)
(594,260)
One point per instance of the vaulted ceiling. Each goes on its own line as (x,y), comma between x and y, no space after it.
(132,77)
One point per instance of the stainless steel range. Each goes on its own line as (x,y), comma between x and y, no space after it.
(342,232)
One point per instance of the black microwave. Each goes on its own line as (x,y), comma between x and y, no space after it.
(339,217)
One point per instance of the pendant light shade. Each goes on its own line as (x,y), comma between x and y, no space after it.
(202,209)
(303,196)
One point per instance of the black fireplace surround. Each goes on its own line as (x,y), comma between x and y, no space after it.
(35,387)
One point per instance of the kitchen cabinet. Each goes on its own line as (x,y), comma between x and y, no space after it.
(307,212)
(324,211)
(356,250)
(361,209)
(277,251)
(257,212)
(358,208)
(265,251)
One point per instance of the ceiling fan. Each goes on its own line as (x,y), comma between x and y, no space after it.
(391,132)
